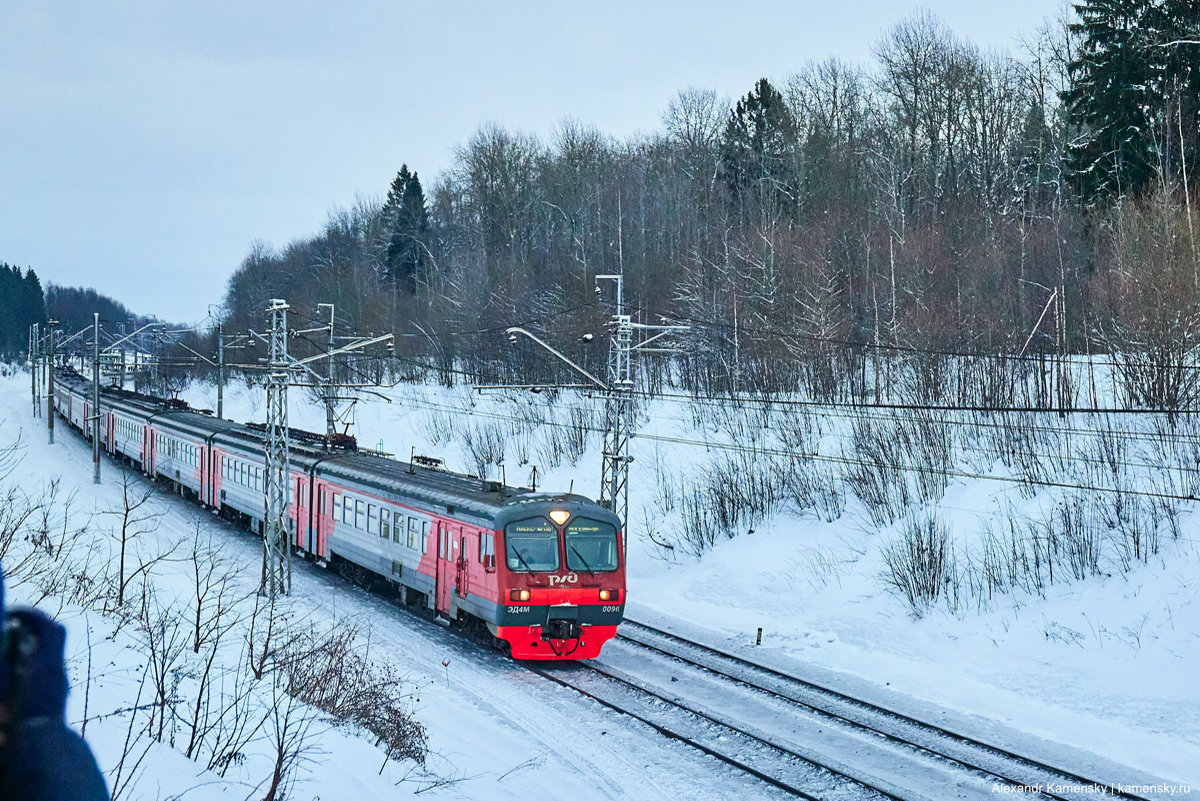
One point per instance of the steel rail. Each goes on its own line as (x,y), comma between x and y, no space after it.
(871,708)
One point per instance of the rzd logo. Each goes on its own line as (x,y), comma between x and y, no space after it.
(570,578)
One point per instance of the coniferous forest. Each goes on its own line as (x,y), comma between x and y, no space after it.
(21,305)
(938,201)
(973,217)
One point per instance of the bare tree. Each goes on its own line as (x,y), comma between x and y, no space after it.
(135,518)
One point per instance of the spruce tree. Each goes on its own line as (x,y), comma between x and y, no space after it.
(757,153)
(407,220)
(1111,99)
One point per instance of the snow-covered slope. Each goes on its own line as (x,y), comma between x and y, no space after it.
(1097,673)
(1104,665)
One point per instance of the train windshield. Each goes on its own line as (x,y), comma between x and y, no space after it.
(591,546)
(531,546)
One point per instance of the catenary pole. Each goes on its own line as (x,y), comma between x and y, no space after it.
(33,367)
(276,577)
(50,381)
(96,397)
(220,371)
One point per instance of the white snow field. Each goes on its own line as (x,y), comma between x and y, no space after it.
(1094,675)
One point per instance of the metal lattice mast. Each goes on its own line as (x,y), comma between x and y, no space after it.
(50,380)
(95,398)
(220,371)
(33,369)
(328,389)
(618,412)
(276,578)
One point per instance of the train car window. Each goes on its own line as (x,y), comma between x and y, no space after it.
(591,546)
(385,524)
(413,533)
(441,542)
(424,535)
(348,511)
(360,514)
(487,549)
(397,527)
(372,519)
(337,507)
(531,546)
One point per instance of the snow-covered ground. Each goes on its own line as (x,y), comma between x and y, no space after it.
(1098,673)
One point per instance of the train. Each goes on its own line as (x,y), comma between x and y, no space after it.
(556,592)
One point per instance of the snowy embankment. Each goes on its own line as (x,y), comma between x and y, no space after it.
(493,730)
(1096,672)
(1067,620)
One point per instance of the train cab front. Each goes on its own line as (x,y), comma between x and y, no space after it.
(562,582)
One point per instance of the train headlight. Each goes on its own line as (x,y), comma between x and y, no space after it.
(610,595)
(518,595)
(559,516)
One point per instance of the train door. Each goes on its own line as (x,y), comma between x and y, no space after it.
(444,567)
(461,576)
(300,538)
(110,434)
(324,509)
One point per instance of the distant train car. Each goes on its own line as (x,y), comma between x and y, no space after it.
(543,572)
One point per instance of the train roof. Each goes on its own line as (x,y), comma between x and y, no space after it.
(457,493)
(489,502)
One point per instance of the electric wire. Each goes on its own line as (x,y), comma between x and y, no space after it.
(841,460)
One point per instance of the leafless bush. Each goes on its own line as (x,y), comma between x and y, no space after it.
(1173,451)
(484,443)
(874,467)
(134,748)
(700,523)
(731,495)
(1074,532)
(332,670)
(1018,557)
(17,509)
(1037,453)
(271,636)
(224,720)
(288,726)
(215,599)
(53,548)
(798,428)
(817,486)
(566,437)
(920,565)
(897,460)
(165,638)
(438,426)
(667,483)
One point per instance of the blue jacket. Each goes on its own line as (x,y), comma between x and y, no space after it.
(40,758)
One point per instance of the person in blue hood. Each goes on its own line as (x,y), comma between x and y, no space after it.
(40,758)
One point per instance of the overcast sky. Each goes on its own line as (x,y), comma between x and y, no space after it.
(144,145)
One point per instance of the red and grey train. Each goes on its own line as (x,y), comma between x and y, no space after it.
(557,592)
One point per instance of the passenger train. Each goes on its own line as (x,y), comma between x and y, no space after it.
(557,592)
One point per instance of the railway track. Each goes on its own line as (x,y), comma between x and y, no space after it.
(739,746)
(807,740)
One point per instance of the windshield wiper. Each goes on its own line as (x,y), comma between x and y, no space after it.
(586,566)
(517,551)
